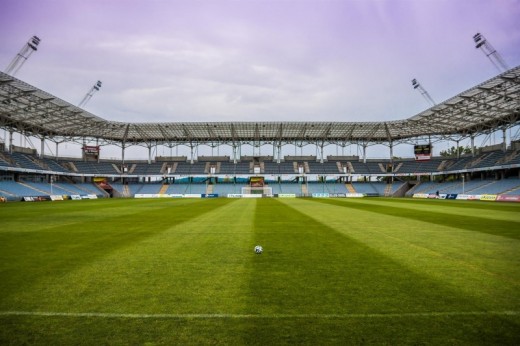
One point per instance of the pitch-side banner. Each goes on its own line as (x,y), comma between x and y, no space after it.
(286,195)
(354,195)
(420,195)
(234,195)
(320,195)
(192,195)
(488,197)
(251,195)
(508,198)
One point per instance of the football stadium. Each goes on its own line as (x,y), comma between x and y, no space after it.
(265,245)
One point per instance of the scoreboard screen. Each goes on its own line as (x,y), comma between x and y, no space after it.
(422,151)
(256,181)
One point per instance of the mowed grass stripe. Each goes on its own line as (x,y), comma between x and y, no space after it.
(185,268)
(256,316)
(504,228)
(473,205)
(28,217)
(291,330)
(310,267)
(33,258)
(484,268)
(479,209)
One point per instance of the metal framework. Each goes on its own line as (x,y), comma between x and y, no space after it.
(89,94)
(24,54)
(485,108)
(490,52)
(416,85)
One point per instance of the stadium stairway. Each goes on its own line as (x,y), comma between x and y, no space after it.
(116,168)
(481,186)
(209,189)
(514,189)
(398,167)
(33,188)
(388,190)
(72,167)
(305,190)
(350,188)
(163,189)
(6,194)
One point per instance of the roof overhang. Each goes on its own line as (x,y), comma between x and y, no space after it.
(482,109)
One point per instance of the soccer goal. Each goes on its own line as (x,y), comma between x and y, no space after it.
(257,190)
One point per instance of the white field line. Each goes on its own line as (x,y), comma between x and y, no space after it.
(259,316)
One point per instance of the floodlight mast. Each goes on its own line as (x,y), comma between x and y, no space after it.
(490,52)
(423,92)
(91,92)
(22,56)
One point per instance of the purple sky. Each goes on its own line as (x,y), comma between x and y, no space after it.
(258,60)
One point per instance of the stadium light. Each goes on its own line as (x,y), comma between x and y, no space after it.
(22,56)
(490,52)
(89,94)
(416,85)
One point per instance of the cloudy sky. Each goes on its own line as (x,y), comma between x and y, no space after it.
(256,60)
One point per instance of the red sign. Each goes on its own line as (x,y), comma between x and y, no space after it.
(508,198)
(91,149)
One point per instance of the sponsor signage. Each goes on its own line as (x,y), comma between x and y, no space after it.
(234,195)
(36,199)
(420,195)
(508,198)
(210,195)
(251,195)
(56,198)
(354,195)
(192,195)
(286,195)
(75,197)
(451,196)
(488,197)
(320,195)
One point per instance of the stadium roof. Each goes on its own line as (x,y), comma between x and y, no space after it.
(484,108)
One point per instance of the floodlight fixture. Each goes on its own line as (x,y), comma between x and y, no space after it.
(22,56)
(486,47)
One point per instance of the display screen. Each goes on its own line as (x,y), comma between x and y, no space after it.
(423,151)
(257,181)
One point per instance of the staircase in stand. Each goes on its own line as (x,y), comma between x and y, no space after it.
(305,190)
(350,188)
(388,190)
(163,189)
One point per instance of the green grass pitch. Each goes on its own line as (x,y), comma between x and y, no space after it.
(333,271)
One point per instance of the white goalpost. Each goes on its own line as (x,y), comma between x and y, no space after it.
(257,190)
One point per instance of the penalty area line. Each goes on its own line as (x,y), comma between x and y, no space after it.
(255,316)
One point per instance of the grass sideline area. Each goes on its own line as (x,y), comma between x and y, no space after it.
(333,271)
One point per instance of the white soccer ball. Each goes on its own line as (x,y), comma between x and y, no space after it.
(259,249)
